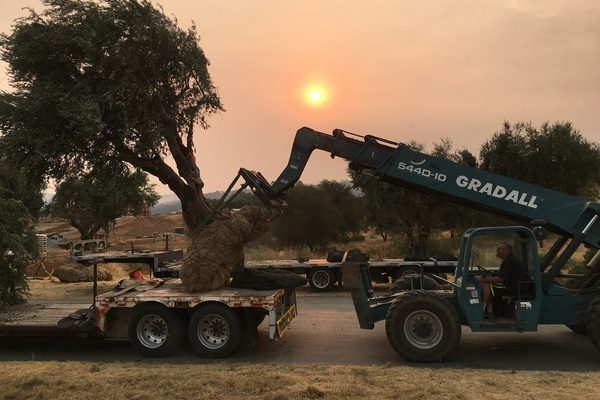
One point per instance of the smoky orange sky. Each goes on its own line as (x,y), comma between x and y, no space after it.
(403,70)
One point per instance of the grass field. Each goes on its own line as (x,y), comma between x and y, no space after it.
(162,380)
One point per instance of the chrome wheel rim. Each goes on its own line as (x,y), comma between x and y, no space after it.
(321,279)
(213,331)
(152,331)
(423,329)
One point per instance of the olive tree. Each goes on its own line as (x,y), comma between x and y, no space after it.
(98,82)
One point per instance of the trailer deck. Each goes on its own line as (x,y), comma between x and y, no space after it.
(42,320)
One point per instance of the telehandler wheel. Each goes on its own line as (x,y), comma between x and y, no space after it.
(413,282)
(422,326)
(321,279)
(215,330)
(580,329)
(593,322)
(154,330)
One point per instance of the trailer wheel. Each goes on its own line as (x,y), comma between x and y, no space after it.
(422,326)
(215,330)
(408,270)
(580,329)
(413,282)
(593,322)
(321,279)
(154,330)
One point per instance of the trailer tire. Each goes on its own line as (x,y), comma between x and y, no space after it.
(408,270)
(215,330)
(413,282)
(422,326)
(593,322)
(154,330)
(321,279)
(258,315)
(580,329)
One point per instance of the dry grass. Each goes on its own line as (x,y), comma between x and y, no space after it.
(157,380)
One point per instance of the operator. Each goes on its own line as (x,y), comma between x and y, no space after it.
(505,283)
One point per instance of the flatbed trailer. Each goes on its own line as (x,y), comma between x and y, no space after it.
(322,274)
(160,262)
(156,315)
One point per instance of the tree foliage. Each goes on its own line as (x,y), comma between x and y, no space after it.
(94,201)
(350,205)
(20,197)
(318,215)
(99,82)
(555,156)
(17,247)
(20,203)
(399,210)
(20,185)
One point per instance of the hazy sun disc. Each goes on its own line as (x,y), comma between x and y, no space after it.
(315,96)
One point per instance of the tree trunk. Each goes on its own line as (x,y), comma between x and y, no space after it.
(85,232)
(195,209)
(383,234)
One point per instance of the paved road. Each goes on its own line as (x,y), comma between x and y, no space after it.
(326,331)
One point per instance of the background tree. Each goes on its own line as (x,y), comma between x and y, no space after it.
(20,198)
(107,81)
(395,209)
(311,219)
(94,201)
(555,156)
(318,215)
(348,203)
(20,185)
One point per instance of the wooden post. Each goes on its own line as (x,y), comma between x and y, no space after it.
(95,284)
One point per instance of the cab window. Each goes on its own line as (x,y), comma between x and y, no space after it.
(483,250)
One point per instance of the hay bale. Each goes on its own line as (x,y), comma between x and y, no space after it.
(80,273)
(215,249)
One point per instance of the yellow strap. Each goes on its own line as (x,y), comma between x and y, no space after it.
(52,277)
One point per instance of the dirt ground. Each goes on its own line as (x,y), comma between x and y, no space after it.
(129,233)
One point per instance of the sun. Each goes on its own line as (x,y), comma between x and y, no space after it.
(315,95)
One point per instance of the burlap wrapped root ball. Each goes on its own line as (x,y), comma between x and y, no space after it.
(215,249)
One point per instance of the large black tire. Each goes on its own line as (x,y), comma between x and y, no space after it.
(593,322)
(321,279)
(422,326)
(154,330)
(413,282)
(258,315)
(580,329)
(215,330)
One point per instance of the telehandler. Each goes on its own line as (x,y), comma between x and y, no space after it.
(425,325)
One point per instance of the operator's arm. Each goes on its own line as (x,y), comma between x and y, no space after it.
(488,279)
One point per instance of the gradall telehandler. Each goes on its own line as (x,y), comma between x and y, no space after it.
(425,325)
